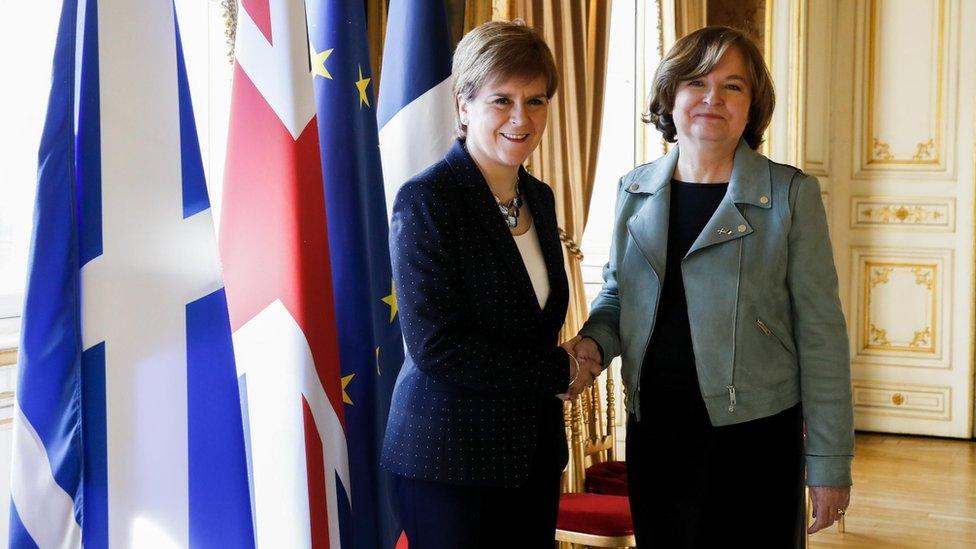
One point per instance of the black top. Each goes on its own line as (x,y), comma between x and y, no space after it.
(669,364)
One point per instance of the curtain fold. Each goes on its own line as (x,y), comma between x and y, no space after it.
(578,33)
(376,11)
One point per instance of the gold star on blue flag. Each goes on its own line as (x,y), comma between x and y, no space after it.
(318,63)
(391,300)
(345,383)
(365,304)
(361,86)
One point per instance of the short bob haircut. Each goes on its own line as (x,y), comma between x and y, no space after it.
(499,49)
(695,56)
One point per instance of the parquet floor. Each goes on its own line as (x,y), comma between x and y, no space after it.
(909,492)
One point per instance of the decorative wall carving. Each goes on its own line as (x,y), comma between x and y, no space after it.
(905,400)
(899,310)
(905,213)
(883,315)
(901,127)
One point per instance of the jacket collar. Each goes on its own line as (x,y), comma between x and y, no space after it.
(749,184)
(483,207)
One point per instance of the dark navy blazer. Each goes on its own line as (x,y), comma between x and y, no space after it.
(476,396)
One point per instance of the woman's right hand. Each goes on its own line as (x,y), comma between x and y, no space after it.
(829,504)
(585,365)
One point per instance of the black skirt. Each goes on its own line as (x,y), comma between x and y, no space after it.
(695,486)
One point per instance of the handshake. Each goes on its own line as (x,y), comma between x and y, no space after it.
(585,365)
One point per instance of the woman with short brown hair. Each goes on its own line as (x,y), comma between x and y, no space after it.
(475,435)
(721,297)
(696,55)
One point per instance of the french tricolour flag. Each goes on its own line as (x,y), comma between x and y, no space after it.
(416,103)
(127,427)
(415,114)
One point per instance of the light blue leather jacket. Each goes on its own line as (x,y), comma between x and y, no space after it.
(761,287)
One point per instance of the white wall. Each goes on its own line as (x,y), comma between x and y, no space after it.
(27,33)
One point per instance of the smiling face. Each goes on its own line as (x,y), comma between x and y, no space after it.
(713,110)
(505,121)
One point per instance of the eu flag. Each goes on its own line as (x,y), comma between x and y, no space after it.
(370,345)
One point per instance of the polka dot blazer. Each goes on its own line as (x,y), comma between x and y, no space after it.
(477,391)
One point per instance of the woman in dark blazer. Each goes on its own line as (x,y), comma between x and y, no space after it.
(475,434)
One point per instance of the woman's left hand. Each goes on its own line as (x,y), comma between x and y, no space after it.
(829,504)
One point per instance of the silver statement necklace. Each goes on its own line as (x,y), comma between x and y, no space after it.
(510,211)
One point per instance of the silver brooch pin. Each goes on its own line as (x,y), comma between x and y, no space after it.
(724,230)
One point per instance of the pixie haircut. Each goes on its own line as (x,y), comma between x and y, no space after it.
(695,56)
(499,49)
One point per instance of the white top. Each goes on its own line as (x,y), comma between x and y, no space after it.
(528,246)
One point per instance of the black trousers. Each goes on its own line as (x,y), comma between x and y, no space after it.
(438,515)
(696,486)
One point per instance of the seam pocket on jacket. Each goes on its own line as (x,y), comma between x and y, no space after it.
(769,333)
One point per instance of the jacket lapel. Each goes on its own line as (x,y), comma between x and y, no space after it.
(483,207)
(749,184)
(649,226)
(725,224)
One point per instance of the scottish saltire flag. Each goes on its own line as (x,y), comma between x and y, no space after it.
(416,111)
(127,427)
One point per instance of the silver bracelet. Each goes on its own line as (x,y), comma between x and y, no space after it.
(576,375)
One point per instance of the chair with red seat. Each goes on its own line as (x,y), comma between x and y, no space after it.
(607,477)
(604,475)
(587,518)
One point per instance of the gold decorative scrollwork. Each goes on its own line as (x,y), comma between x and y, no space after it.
(925,213)
(882,150)
(878,336)
(898,296)
(880,64)
(924,150)
(921,338)
(900,213)
(879,275)
(923,277)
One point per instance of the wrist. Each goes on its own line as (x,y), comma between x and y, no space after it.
(599,348)
(574,369)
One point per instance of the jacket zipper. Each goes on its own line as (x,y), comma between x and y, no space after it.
(647,341)
(763,328)
(735,308)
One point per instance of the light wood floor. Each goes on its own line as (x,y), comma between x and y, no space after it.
(909,492)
